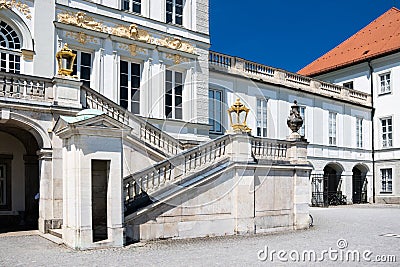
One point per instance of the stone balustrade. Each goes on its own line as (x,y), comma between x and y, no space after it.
(270,149)
(18,86)
(147,132)
(175,168)
(225,63)
(179,167)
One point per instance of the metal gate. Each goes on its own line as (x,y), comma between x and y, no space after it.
(326,190)
(359,189)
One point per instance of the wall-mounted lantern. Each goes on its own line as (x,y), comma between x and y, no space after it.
(65,59)
(238,117)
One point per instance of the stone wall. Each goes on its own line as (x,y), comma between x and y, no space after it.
(240,200)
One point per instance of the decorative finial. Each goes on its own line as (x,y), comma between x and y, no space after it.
(295,121)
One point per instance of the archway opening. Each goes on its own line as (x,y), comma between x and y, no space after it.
(359,182)
(19,178)
(333,185)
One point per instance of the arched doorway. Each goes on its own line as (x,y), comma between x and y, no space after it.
(333,185)
(359,182)
(19,178)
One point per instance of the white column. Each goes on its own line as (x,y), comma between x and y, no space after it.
(45,190)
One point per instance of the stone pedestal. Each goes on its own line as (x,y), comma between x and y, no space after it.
(67,91)
(239,148)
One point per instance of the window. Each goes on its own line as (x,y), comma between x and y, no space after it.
(332,128)
(348,85)
(384,83)
(359,132)
(215,110)
(302,130)
(129,88)
(10,45)
(173,94)
(261,117)
(387,137)
(83,66)
(386,175)
(132,5)
(174,11)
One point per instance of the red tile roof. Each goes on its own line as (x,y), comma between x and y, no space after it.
(380,37)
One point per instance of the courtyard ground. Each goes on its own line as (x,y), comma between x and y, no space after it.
(371,231)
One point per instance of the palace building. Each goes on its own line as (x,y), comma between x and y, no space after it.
(114,127)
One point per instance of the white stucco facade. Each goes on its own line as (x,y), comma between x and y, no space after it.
(366,78)
(159,127)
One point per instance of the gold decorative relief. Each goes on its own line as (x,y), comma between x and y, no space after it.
(176,44)
(22,7)
(132,31)
(80,19)
(133,49)
(178,59)
(81,37)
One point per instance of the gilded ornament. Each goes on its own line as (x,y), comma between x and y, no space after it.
(237,124)
(65,59)
(82,20)
(178,59)
(81,37)
(22,7)
(176,44)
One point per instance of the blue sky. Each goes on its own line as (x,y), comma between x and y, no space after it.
(288,34)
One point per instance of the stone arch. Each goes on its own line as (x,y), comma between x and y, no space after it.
(34,128)
(22,175)
(333,184)
(338,167)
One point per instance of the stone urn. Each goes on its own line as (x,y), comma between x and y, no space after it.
(295,121)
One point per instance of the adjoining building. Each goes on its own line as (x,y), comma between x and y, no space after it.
(369,62)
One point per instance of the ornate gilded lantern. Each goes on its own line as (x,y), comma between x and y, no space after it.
(65,59)
(238,117)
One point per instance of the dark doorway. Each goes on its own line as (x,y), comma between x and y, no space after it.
(21,185)
(332,187)
(359,186)
(99,199)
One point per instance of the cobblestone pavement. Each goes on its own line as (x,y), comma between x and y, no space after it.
(363,227)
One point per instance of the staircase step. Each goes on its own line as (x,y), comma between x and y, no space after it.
(56,232)
(52,238)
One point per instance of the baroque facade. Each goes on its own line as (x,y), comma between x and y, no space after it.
(135,143)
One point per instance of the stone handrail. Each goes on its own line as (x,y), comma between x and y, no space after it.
(221,59)
(296,78)
(179,167)
(175,168)
(147,132)
(19,86)
(264,148)
(251,69)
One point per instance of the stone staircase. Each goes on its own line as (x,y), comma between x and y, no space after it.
(148,188)
(143,132)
